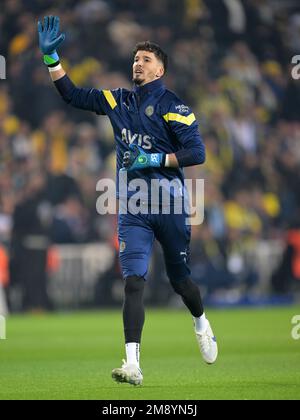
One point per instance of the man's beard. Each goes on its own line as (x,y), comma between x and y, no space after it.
(137,81)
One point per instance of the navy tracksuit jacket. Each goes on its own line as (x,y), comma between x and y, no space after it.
(158,121)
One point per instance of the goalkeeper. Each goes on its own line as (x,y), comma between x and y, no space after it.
(156,136)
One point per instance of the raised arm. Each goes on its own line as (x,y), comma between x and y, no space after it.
(84,98)
(48,42)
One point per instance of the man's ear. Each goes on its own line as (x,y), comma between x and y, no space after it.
(160,72)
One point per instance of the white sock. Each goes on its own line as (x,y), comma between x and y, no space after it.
(200,323)
(133,353)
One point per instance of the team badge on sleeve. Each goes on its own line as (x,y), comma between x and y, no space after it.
(182,109)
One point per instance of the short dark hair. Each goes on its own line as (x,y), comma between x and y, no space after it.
(155,49)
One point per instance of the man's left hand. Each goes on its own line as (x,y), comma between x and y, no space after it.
(137,159)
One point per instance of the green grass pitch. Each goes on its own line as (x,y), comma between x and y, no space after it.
(70,356)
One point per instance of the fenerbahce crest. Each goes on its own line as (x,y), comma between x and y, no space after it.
(149,111)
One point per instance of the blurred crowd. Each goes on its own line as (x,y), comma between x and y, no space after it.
(229,59)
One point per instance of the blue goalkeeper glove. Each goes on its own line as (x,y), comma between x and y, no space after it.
(48,39)
(137,159)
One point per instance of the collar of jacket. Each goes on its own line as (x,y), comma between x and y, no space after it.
(149,89)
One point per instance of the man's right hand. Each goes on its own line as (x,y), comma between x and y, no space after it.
(48,39)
